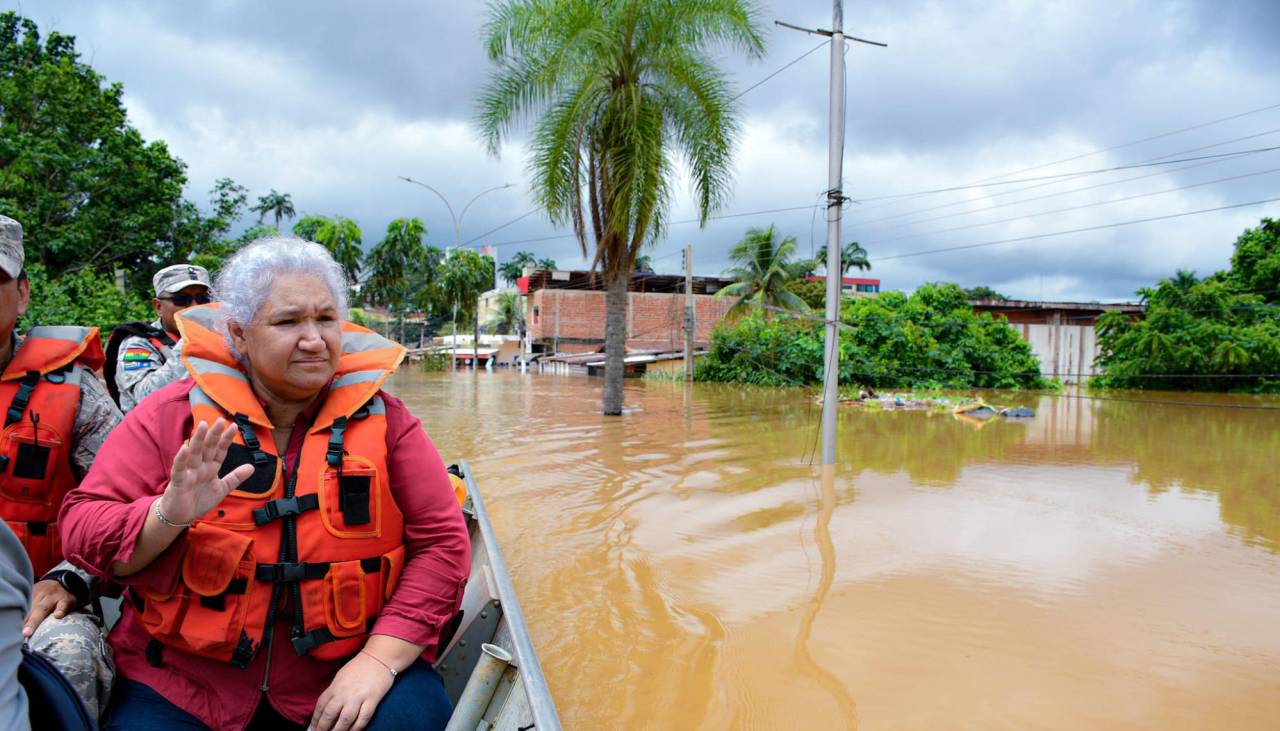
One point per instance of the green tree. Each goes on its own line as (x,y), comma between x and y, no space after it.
(983,292)
(83,297)
(1255,265)
(546,263)
(509,318)
(764,268)
(1214,334)
(644,264)
(465,276)
(514,268)
(852,256)
(279,205)
(932,338)
(398,266)
(341,236)
(88,189)
(619,90)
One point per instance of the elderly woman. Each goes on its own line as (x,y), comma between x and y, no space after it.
(288,534)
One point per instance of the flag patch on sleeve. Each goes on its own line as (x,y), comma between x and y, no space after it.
(136,358)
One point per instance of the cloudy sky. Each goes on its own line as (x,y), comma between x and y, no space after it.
(332,101)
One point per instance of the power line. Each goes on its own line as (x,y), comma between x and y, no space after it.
(1054,182)
(521,217)
(1076,208)
(1080,173)
(1075,230)
(789,64)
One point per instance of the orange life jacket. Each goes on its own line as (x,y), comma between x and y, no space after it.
(326,530)
(41,388)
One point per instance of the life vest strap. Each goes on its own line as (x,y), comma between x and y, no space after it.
(283,507)
(316,637)
(18,407)
(218,602)
(244,651)
(251,440)
(284,573)
(333,455)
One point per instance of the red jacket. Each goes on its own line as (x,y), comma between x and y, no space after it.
(102,517)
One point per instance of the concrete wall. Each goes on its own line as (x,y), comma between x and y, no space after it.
(655,321)
(1065,350)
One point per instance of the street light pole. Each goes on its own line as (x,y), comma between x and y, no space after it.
(457,237)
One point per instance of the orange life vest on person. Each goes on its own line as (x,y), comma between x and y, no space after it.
(40,388)
(325,531)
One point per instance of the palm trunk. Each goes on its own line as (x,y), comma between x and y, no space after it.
(615,341)
(475,339)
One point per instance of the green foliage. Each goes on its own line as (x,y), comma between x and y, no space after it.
(434,362)
(88,189)
(852,256)
(812,292)
(764,269)
(1215,334)
(932,339)
(546,263)
(278,205)
(402,270)
(621,92)
(341,236)
(984,292)
(509,318)
(514,267)
(464,277)
(82,297)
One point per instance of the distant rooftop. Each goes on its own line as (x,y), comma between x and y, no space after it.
(640,282)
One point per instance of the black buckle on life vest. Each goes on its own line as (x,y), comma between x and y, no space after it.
(284,573)
(244,652)
(251,440)
(337,432)
(314,638)
(18,406)
(283,507)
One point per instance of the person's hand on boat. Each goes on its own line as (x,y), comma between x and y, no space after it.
(194,485)
(47,597)
(350,700)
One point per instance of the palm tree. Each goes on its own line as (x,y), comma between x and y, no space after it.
(764,269)
(644,264)
(465,277)
(852,256)
(514,267)
(341,236)
(510,315)
(398,266)
(623,88)
(279,205)
(546,263)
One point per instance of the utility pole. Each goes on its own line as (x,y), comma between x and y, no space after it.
(690,319)
(835,202)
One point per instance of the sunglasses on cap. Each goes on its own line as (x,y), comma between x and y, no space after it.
(187,300)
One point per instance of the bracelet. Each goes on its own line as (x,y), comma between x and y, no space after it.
(163,520)
(390,669)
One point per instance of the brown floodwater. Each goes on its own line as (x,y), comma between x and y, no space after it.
(1105,565)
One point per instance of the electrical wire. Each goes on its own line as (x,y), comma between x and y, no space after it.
(788,65)
(1051,234)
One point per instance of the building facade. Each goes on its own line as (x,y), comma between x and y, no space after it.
(1062,334)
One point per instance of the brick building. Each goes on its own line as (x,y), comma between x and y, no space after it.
(565,311)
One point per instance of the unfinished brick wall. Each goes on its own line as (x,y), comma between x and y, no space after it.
(654,321)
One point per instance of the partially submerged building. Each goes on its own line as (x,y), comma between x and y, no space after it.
(565,311)
(1062,334)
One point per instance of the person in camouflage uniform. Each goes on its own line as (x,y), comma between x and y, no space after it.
(145,357)
(58,624)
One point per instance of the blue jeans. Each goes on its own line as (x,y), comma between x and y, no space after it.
(416,701)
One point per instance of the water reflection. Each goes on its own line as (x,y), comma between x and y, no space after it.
(684,567)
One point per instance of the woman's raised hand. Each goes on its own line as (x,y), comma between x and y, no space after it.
(194,486)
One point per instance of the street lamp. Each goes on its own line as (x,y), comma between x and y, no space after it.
(457,236)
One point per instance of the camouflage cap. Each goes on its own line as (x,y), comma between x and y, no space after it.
(179,276)
(11,253)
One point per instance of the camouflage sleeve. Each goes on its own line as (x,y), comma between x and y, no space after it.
(95,419)
(138,374)
(92,581)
